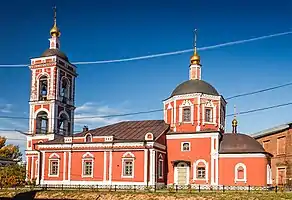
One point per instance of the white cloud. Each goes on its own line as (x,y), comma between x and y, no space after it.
(88,114)
(5,108)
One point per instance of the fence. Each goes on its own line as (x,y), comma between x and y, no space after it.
(156,188)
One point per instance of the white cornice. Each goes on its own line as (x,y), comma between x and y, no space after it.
(247,155)
(189,96)
(191,135)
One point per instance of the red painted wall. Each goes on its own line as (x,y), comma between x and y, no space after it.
(256,169)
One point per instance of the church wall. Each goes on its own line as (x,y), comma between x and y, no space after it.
(77,165)
(256,170)
(54,156)
(117,166)
(174,152)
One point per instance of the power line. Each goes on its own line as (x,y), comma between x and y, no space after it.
(259,91)
(228,115)
(162,54)
(159,110)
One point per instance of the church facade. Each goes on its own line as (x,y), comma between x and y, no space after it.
(188,147)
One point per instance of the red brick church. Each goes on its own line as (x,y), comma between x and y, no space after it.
(188,146)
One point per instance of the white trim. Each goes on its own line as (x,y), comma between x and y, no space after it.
(186,103)
(133,167)
(269,175)
(110,166)
(190,96)
(206,170)
(182,144)
(152,167)
(236,179)
(43,166)
(88,154)
(104,165)
(128,153)
(102,145)
(69,168)
(92,167)
(255,155)
(53,182)
(50,161)
(64,166)
(189,136)
(54,154)
(145,165)
(88,134)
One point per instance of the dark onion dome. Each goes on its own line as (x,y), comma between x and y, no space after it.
(194,86)
(240,143)
(55,52)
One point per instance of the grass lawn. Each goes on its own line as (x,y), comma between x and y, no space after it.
(205,195)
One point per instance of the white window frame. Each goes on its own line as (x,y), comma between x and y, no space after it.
(186,103)
(88,134)
(84,160)
(236,179)
(182,145)
(160,165)
(87,157)
(54,157)
(195,166)
(128,156)
(209,105)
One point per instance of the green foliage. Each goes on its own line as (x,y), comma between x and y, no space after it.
(9,151)
(12,175)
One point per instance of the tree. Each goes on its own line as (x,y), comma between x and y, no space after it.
(11,175)
(9,151)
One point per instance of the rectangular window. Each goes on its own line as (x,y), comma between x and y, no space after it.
(185,146)
(128,165)
(54,167)
(281,145)
(201,172)
(208,115)
(266,145)
(87,167)
(281,176)
(160,168)
(187,114)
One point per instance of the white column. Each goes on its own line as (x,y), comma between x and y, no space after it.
(110,167)
(145,165)
(69,167)
(64,166)
(152,167)
(104,166)
(43,167)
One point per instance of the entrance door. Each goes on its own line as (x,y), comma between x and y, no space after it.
(182,173)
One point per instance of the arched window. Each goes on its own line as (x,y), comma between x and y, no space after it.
(65,90)
(42,123)
(64,125)
(201,170)
(240,173)
(88,138)
(43,88)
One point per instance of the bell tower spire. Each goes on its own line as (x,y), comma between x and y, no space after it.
(195,65)
(55,32)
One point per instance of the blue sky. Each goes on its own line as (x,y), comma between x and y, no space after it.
(106,30)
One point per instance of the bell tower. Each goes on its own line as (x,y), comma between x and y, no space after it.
(52,93)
